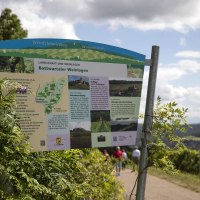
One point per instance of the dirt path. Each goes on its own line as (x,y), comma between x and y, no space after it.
(156,188)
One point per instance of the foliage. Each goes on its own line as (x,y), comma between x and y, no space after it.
(168,118)
(73,174)
(13,146)
(104,185)
(10,26)
(186,160)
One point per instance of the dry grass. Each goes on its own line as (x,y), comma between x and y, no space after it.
(186,180)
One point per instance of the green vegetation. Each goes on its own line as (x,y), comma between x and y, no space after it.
(97,127)
(29,65)
(100,115)
(10,26)
(182,159)
(77,86)
(186,160)
(186,180)
(168,118)
(16,64)
(100,121)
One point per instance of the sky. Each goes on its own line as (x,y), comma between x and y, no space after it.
(137,25)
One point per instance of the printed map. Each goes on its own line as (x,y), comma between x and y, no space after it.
(50,94)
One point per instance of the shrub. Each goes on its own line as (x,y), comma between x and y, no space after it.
(186,160)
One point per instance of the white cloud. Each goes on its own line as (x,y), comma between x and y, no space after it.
(170,72)
(139,14)
(48,28)
(153,24)
(189,65)
(148,15)
(188,54)
(167,74)
(173,71)
(185,96)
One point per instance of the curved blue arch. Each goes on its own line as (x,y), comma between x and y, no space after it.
(47,43)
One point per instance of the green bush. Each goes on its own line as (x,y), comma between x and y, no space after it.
(171,160)
(186,160)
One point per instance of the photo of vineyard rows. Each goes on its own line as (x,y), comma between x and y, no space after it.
(98,127)
(100,121)
(74,51)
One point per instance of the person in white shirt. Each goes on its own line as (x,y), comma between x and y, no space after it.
(136,156)
(124,159)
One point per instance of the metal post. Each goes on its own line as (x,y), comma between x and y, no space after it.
(147,126)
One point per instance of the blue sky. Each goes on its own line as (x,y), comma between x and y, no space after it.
(131,24)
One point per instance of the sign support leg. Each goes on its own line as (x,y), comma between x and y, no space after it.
(147,126)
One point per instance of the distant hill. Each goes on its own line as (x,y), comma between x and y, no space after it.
(193,131)
(78,132)
(192,136)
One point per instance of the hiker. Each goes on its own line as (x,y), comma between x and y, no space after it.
(118,156)
(136,156)
(124,159)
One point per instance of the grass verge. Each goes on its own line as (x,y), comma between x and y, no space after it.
(186,180)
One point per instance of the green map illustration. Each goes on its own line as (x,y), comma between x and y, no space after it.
(50,94)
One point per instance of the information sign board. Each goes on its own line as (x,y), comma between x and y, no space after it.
(84,94)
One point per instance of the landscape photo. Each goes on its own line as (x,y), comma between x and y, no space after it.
(100,121)
(125,88)
(80,135)
(78,83)
(16,64)
(123,124)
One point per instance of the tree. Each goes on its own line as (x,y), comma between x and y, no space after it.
(10,26)
(168,119)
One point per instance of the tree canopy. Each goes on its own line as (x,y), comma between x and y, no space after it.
(10,26)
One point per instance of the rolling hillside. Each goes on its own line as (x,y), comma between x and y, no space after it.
(192,136)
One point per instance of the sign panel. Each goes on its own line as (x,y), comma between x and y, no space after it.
(84,94)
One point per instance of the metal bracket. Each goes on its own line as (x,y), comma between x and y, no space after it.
(147,62)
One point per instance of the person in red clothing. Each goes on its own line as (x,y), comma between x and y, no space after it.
(118,155)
